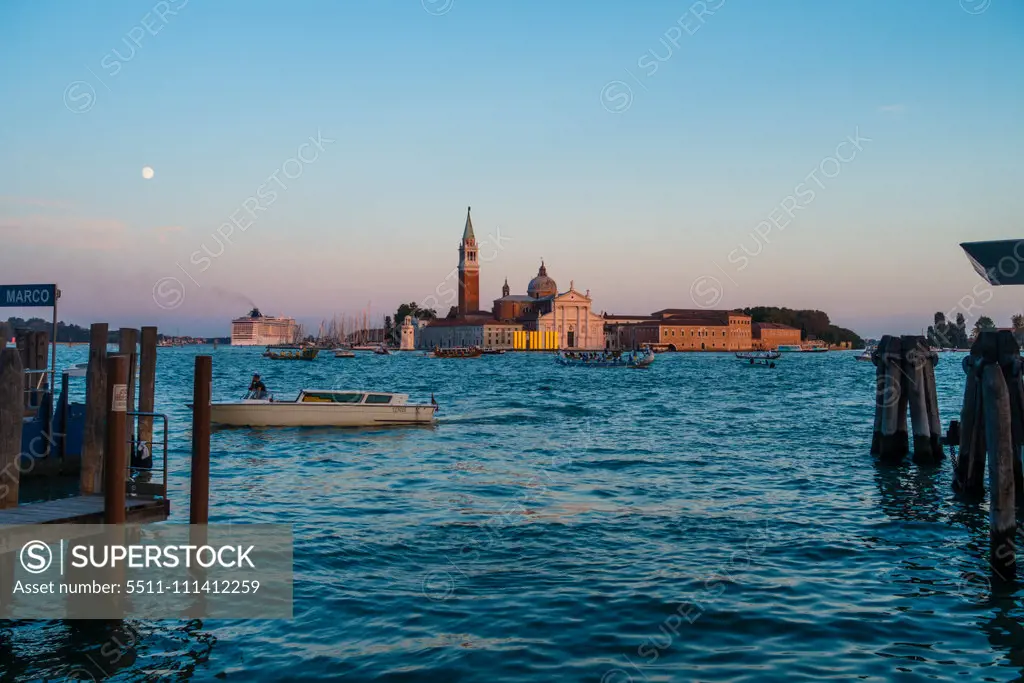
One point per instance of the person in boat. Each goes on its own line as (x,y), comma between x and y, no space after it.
(257,389)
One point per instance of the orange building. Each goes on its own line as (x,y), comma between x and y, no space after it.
(773,335)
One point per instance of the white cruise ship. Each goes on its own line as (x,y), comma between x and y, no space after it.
(257,329)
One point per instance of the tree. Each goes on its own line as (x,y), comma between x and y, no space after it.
(983,323)
(941,333)
(961,332)
(389,329)
(1017,321)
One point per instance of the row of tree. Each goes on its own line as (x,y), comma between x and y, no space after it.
(946,334)
(812,324)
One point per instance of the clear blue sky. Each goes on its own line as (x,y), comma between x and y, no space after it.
(440,104)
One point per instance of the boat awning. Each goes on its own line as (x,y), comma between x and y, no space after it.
(1000,262)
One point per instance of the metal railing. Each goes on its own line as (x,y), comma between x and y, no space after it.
(138,475)
(37,387)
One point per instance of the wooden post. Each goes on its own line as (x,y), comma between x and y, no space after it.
(199,503)
(11,411)
(96,408)
(969,479)
(1015,387)
(116,462)
(894,421)
(128,346)
(932,404)
(23,343)
(918,359)
(876,358)
(998,436)
(40,362)
(147,384)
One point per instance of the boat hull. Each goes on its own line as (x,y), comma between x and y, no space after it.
(318,415)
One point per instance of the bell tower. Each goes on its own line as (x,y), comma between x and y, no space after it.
(469,270)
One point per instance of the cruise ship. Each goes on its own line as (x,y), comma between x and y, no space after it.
(257,329)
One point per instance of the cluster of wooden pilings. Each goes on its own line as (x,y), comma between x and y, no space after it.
(905,382)
(992,430)
(111,432)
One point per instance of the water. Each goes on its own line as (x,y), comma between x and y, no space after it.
(699,521)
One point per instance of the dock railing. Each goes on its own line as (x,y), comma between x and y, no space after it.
(139,473)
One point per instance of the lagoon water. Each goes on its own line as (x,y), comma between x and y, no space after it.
(698,521)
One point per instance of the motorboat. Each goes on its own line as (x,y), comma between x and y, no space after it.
(606,359)
(458,352)
(493,352)
(323,408)
(382,351)
(291,353)
(758,355)
(866,354)
(344,353)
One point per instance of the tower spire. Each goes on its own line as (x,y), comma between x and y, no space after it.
(467,234)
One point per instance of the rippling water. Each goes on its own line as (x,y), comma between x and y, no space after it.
(699,521)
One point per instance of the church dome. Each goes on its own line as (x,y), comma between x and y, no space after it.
(542,285)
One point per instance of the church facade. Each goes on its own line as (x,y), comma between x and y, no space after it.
(543,319)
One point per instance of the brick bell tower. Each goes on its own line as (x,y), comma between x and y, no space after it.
(469,270)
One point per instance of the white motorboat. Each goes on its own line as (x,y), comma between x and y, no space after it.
(324,408)
(866,354)
(344,353)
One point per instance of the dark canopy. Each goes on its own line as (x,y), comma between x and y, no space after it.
(1000,262)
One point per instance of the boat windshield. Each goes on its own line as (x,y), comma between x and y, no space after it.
(330,397)
(378,398)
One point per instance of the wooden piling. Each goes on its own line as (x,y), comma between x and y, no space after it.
(999,438)
(969,477)
(96,408)
(876,432)
(892,442)
(147,384)
(199,503)
(11,411)
(128,346)
(918,367)
(116,462)
(932,405)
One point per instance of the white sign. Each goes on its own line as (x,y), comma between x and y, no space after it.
(120,403)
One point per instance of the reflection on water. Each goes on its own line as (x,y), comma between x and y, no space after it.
(578,525)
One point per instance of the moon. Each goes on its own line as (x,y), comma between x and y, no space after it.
(147,172)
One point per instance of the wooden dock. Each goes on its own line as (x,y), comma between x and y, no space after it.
(84,510)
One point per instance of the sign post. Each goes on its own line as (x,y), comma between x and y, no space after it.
(37,296)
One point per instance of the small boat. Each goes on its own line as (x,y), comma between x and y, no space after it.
(493,352)
(458,352)
(382,351)
(294,353)
(344,353)
(324,408)
(606,359)
(866,353)
(761,363)
(758,355)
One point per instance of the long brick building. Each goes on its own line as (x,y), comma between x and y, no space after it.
(684,329)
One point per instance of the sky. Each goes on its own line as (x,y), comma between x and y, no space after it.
(722,153)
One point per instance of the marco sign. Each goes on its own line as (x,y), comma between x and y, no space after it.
(28,295)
